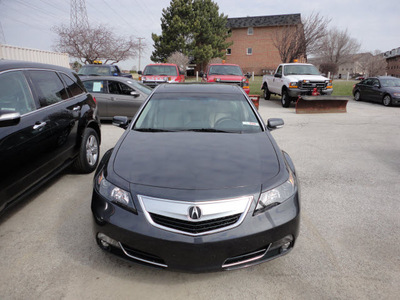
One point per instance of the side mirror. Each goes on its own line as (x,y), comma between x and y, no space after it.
(248,75)
(274,123)
(181,72)
(377,85)
(201,74)
(121,121)
(135,94)
(140,72)
(10,119)
(278,75)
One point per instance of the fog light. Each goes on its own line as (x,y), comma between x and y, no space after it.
(283,244)
(105,242)
(285,247)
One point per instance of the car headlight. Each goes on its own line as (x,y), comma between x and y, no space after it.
(114,193)
(277,195)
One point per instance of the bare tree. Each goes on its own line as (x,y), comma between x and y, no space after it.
(300,40)
(179,59)
(373,64)
(338,47)
(95,43)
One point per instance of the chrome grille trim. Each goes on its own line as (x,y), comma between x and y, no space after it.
(141,259)
(262,253)
(210,210)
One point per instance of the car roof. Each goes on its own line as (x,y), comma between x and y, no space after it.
(223,64)
(19,64)
(162,64)
(217,88)
(115,78)
(97,65)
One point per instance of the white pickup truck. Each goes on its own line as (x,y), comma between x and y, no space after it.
(294,79)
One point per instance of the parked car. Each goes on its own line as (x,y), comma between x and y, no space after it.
(155,74)
(381,89)
(196,183)
(116,95)
(226,73)
(102,70)
(47,122)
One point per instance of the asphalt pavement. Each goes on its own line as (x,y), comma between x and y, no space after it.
(348,247)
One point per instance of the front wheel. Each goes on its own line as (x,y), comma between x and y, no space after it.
(387,100)
(89,152)
(357,96)
(285,99)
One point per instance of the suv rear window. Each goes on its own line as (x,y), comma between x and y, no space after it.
(49,87)
(73,88)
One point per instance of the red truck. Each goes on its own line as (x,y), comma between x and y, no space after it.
(226,73)
(155,74)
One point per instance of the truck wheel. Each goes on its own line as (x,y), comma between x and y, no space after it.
(89,152)
(285,100)
(266,94)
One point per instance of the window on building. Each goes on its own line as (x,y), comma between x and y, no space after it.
(250,31)
(228,51)
(249,51)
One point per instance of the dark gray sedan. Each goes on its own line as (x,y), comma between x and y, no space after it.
(116,95)
(381,89)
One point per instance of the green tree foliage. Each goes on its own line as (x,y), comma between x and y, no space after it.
(194,28)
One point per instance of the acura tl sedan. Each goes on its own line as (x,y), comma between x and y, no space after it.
(196,183)
(116,95)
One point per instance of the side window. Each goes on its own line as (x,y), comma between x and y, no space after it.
(94,86)
(249,51)
(250,31)
(15,94)
(228,51)
(113,87)
(125,89)
(49,87)
(73,88)
(279,71)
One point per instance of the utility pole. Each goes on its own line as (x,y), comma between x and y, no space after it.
(78,17)
(140,49)
(2,37)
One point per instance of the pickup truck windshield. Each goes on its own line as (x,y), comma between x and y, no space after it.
(160,70)
(95,70)
(300,70)
(225,70)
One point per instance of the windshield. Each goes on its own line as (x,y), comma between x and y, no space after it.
(300,70)
(392,82)
(198,112)
(225,70)
(141,87)
(95,70)
(160,70)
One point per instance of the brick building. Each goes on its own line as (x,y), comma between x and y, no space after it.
(253,48)
(393,62)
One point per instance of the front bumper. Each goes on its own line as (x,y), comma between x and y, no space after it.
(294,93)
(258,239)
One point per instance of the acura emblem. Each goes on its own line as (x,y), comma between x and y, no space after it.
(194,212)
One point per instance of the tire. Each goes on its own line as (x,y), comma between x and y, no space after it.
(89,152)
(357,96)
(266,93)
(387,100)
(285,99)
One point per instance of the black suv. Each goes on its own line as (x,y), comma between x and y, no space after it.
(48,121)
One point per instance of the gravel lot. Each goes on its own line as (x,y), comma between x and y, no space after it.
(348,248)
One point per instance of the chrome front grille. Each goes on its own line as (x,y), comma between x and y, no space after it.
(195,218)
(313,84)
(195,227)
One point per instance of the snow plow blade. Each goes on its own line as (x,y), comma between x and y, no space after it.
(321,104)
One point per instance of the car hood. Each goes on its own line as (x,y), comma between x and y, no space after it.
(307,77)
(196,160)
(391,90)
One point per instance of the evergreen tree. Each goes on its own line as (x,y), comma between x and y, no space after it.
(194,28)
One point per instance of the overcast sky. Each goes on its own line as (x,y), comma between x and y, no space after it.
(28,23)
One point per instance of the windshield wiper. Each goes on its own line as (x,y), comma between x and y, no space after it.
(209,130)
(152,130)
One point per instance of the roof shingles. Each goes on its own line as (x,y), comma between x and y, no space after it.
(261,21)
